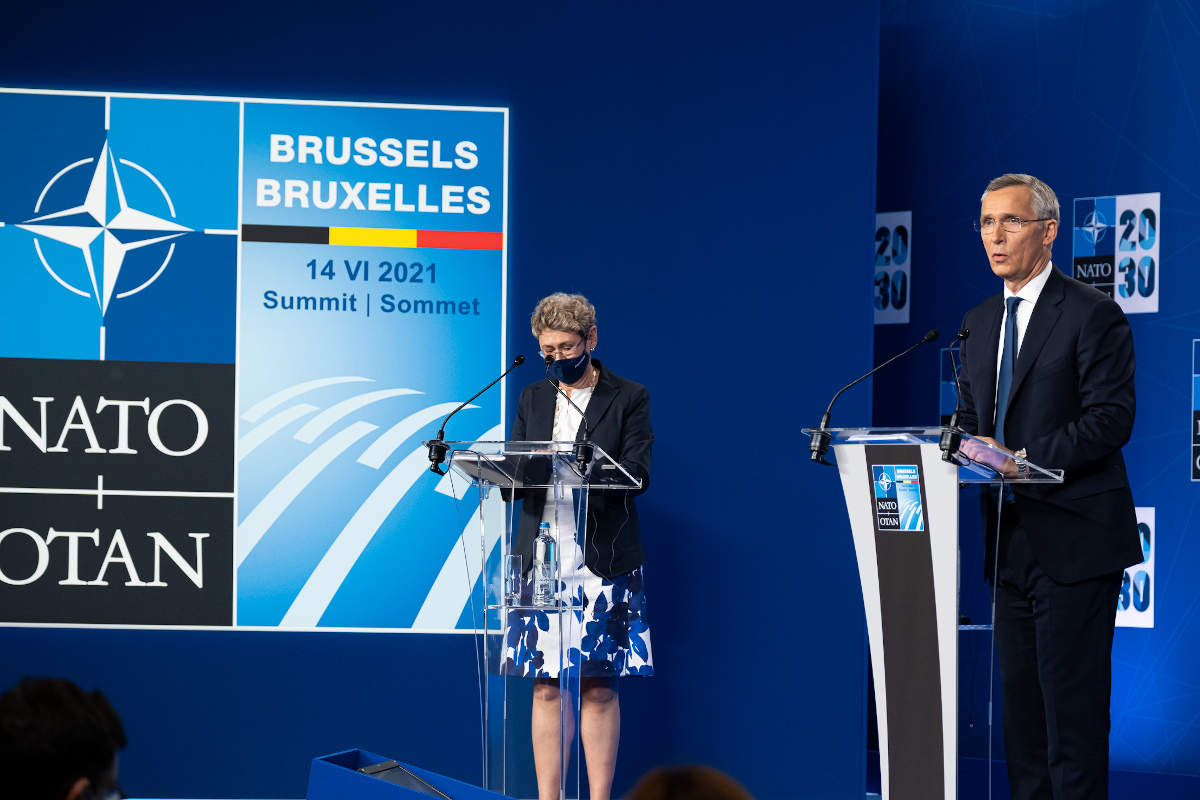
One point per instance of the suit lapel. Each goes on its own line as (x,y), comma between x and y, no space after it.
(1041,324)
(541,424)
(986,400)
(602,397)
(541,427)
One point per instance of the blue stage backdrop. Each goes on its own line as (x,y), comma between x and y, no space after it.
(699,175)
(1099,99)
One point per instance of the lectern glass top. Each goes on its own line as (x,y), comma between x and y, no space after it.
(983,467)
(532,465)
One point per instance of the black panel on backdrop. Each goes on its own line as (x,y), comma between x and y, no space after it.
(143,416)
(132,520)
(132,545)
(909,615)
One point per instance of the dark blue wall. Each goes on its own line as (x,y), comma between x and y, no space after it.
(707,179)
(1095,98)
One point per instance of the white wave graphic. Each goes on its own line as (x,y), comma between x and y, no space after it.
(910,516)
(450,591)
(452,485)
(276,501)
(456,579)
(271,426)
(444,603)
(256,411)
(327,418)
(310,604)
(389,441)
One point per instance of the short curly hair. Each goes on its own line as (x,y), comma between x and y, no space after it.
(563,312)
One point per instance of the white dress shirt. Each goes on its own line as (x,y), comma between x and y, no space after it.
(560,511)
(1029,295)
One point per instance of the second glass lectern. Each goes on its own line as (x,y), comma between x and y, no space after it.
(526,603)
(901,492)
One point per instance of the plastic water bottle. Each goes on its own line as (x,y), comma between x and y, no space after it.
(544,559)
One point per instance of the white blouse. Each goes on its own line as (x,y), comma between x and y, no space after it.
(567,420)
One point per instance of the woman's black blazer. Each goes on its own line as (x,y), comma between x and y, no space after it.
(618,416)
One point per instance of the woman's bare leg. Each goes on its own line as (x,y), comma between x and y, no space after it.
(548,754)
(600,732)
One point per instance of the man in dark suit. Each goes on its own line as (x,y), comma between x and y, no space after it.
(1048,377)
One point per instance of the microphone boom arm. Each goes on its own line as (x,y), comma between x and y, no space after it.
(583,449)
(819,443)
(437,447)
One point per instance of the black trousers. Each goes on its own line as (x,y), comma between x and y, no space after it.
(1054,646)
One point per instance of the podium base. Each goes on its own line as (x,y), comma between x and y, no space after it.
(337,777)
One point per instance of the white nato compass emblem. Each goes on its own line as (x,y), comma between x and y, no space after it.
(1094,226)
(104,228)
(885,483)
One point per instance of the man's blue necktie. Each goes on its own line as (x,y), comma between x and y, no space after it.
(1007,361)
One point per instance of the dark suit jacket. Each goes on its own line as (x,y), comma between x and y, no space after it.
(619,417)
(1071,407)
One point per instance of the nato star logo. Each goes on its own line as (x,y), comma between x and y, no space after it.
(1094,226)
(104,228)
(885,483)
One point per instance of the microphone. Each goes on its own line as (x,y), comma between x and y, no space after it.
(951,435)
(819,442)
(438,447)
(583,449)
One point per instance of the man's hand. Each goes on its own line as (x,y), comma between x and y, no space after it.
(1002,461)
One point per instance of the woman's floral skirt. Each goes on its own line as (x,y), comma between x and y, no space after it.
(606,629)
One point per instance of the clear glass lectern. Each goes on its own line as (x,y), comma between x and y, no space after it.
(901,491)
(507,614)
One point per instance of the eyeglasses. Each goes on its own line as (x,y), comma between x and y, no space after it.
(565,351)
(1010,224)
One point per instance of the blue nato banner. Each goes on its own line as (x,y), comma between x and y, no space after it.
(228,324)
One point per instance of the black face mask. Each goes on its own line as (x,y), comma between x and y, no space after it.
(570,370)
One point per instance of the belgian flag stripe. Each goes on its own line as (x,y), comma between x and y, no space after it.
(296,234)
(374,237)
(461,240)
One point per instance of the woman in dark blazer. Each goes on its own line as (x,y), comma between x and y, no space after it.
(605,575)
